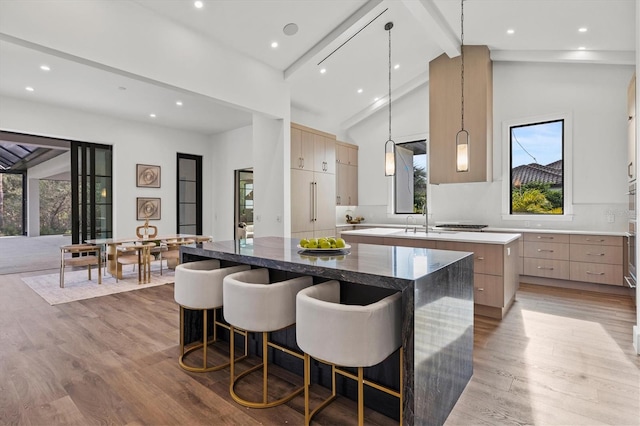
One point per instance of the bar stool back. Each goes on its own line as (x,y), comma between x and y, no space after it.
(254,304)
(347,336)
(198,286)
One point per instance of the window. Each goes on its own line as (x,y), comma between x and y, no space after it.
(537,168)
(410,181)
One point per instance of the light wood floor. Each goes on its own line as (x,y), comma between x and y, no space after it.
(560,357)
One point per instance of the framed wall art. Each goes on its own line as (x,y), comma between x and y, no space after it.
(147,208)
(147,176)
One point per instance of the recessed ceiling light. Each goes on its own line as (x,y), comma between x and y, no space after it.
(45,68)
(290,29)
(359,90)
(582,48)
(29,89)
(323,70)
(511,31)
(152,115)
(274,44)
(179,103)
(198,4)
(396,66)
(582,29)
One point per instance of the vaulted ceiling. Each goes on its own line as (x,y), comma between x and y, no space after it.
(345,38)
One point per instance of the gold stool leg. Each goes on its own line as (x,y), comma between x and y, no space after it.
(360,397)
(265,357)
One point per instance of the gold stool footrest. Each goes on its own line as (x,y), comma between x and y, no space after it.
(262,366)
(358,378)
(186,351)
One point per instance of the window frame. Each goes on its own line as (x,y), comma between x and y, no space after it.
(391,206)
(567,160)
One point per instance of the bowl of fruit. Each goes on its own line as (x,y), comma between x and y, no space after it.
(323,245)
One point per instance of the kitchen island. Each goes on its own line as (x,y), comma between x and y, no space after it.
(496,256)
(437,298)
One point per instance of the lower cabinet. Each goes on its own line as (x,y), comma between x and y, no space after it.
(495,266)
(588,258)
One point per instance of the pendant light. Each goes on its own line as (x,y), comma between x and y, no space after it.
(389,146)
(462,137)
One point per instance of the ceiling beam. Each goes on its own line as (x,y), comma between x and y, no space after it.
(338,35)
(396,94)
(618,57)
(432,20)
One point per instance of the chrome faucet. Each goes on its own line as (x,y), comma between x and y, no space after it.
(406,228)
(425,213)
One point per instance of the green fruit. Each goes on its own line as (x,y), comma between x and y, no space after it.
(340,243)
(325,244)
(312,244)
(331,240)
(304,242)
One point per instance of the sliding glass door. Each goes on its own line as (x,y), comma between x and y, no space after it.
(91,191)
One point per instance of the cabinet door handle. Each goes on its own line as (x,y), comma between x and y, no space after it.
(595,273)
(629,169)
(545,250)
(541,237)
(597,241)
(315,203)
(595,254)
(480,289)
(312,201)
(479,258)
(546,268)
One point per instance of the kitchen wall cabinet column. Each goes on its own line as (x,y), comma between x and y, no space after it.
(313,182)
(346,174)
(445,111)
(631,126)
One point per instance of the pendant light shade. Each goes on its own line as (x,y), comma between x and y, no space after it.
(389,158)
(462,137)
(462,151)
(390,145)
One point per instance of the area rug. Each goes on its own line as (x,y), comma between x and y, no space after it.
(77,287)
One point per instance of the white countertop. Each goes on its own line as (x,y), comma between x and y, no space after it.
(462,237)
(397,226)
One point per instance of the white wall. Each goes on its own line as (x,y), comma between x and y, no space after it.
(132,142)
(595,95)
(231,151)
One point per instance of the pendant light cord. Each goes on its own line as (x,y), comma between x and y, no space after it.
(389,25)
(461,61)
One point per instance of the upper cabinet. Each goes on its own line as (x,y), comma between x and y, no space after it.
(445,115)
(324,154)
(631,129)
(302,149)
(312,149)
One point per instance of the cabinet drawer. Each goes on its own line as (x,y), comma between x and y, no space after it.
(547,268)
(604,240)
(487,258)
(548,238)
(488,290)
(539,250)
(596,273)
(596,254)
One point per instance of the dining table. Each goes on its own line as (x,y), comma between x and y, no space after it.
(116,246)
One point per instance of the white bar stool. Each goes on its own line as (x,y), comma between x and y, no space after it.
(254,304)
(347,336)
(198,286)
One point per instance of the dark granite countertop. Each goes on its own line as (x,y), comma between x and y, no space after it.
(382,266)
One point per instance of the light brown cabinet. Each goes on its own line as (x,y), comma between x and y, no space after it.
(587,258)
(445,115)
(313,182)
(346,174)
(495,267)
